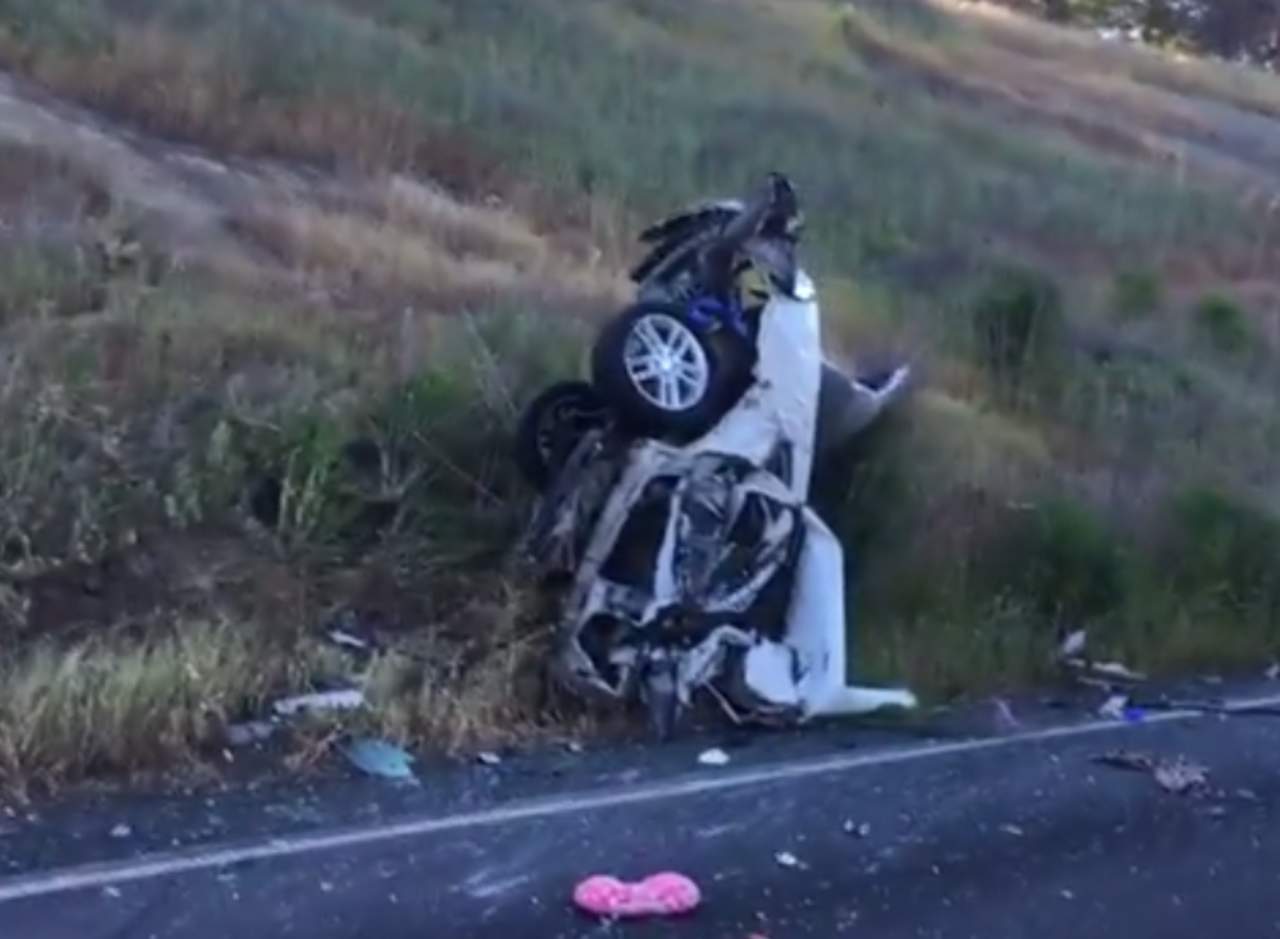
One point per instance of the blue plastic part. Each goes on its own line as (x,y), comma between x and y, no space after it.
(379,758)
(707,311)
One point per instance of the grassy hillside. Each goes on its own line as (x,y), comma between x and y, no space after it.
(241,234)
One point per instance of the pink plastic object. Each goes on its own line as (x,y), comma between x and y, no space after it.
(660,895)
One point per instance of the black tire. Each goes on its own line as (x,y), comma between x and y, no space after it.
(728,372)
(551,426)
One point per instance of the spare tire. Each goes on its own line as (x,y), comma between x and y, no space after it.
(664,378)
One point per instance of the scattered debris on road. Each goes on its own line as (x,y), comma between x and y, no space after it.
(380,758)
(713,757)
(788,860)
(1127,759)
(1176,776)
(1118,707)
(346,699)
(665,894)
(1181,776)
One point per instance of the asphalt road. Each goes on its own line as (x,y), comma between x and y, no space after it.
(1023,836)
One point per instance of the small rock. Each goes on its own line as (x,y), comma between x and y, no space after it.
(1066,894)
(713,757)
(489,758)
(1013,830)
(862,830)
(1273,672)
(112,893)
(787,859)
(574,747)
(121,831)
(1248,795)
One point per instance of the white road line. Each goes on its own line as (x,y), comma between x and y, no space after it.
(92,876)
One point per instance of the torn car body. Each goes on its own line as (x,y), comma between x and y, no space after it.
(701,566)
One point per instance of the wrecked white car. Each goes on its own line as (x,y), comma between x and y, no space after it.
(675,485)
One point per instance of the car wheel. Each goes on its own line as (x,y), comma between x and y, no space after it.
(664,378)
(551,426)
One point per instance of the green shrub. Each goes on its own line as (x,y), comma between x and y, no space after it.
(1226,550)
(1224,323)
(1136,293)
(1018,322)
(1077,566)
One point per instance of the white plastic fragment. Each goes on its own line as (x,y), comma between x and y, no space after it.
(1116,670)
(1113,707)
(713,757)
(346,699)
(787,859)
(242,735)
(1073,645)
(343,638)
(489,758)
(1005,721)
(1179,776)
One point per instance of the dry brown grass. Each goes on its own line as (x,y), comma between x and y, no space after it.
(176,88)
(403,244)
(166,85)
(112,705)
(1104,108)
(1241,87)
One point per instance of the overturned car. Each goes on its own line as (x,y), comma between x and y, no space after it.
(674,505)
